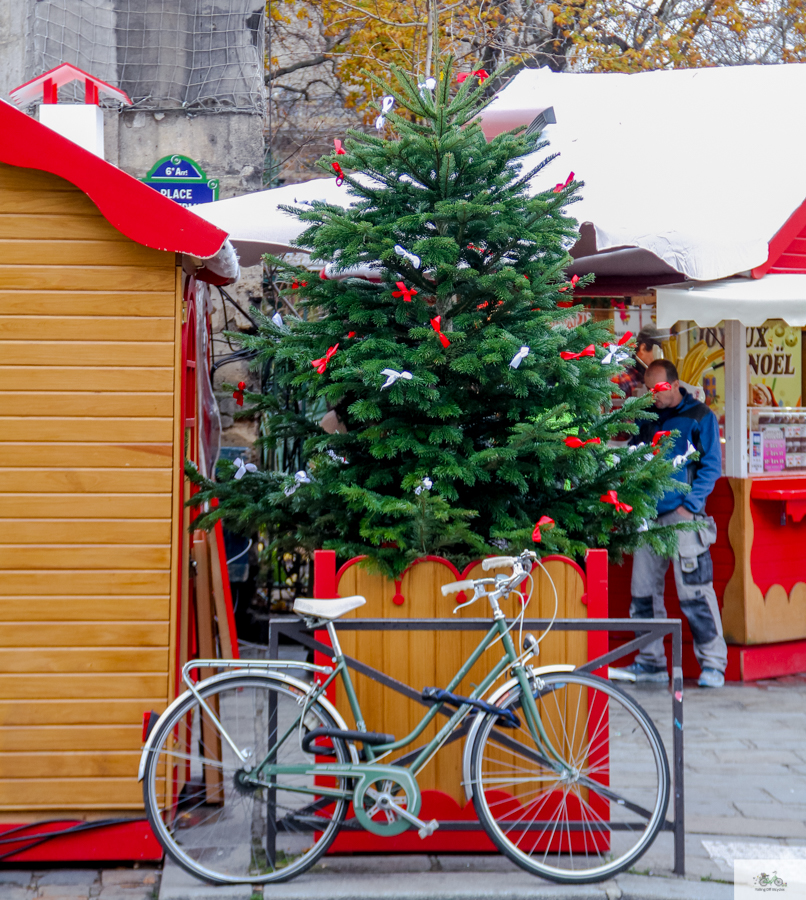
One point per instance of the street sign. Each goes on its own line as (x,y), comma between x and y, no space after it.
(183,180)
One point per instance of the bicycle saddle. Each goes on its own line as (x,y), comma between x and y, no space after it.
(327,609)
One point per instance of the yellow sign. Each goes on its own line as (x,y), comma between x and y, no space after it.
(774,366)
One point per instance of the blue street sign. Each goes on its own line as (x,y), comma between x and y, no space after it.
(183,180)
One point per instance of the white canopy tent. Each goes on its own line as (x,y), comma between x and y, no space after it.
(697,168)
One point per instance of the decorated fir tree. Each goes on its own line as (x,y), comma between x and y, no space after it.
(470,406)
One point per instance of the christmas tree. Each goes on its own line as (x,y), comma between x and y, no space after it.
(471,403)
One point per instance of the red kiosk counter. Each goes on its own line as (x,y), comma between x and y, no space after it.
(760,504)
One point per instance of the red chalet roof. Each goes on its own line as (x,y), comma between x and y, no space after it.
(787,254)
(136,210)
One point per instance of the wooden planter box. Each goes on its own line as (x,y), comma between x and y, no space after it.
(422,659)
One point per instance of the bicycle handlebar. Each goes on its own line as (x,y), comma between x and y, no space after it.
(496,562)
(455,586)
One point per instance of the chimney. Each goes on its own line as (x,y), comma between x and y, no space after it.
(82,123)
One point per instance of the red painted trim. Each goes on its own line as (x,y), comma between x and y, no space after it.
(136,210)
(780,242)
(325,577)
(63,74)
(596,599)
(771,660)
(222,562)
(125,841)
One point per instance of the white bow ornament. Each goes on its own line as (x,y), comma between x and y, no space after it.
(299,478)
(615,354)
(411,257)
(429,83)
(425,485)
(278,320)
(386,105)
(633,447)
(519,357)
(392,376)
(243,468)
(680,459)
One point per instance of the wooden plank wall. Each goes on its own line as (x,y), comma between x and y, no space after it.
(88,338)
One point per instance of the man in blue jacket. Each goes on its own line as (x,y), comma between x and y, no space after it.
(679,412)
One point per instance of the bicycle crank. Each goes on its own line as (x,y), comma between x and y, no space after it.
(387,802)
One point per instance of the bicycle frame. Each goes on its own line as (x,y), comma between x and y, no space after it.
(499,628)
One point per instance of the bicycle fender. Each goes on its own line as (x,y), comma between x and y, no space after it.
(495,699)
(269,676)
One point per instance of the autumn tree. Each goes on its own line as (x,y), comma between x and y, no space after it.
(321,54)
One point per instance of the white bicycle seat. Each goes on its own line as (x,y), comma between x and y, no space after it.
(327,609)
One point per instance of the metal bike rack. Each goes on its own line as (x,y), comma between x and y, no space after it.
(645,630)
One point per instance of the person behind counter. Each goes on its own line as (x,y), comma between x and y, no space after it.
(648,348)
(693,570)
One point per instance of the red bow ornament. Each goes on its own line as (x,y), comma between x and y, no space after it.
(436,324)
(238,394)
(575,443)
(340,151)
(543,522)
(590,350)
(339,174)
(622,307)
(404,292)
(661,386)
(298,284)
(564,185)
(659,436)
(574,283)
(351,334)
(481,74)
(612,497)
(321,364)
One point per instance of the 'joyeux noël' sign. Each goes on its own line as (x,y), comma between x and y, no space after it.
(183,180)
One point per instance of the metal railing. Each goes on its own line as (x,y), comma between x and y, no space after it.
(645,630)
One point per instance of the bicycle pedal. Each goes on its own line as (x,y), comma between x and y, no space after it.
(428,829)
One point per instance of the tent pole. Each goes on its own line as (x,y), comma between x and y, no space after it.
(735,399)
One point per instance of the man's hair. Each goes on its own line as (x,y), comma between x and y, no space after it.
(669,369)
(649,336)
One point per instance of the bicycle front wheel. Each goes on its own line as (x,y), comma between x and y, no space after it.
(217,818)
(590,818)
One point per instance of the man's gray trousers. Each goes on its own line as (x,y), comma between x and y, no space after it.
(694,577)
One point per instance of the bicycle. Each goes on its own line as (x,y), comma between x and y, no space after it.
(248,775)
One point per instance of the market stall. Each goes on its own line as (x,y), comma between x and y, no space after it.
(686,213)
(102,287)
(764,601)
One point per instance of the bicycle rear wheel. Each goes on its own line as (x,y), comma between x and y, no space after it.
(596,818)
(208,816)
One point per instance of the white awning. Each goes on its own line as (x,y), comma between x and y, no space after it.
(748,300)
(699,167)
(256,224)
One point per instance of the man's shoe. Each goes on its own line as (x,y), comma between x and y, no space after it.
(639,673)
(711,678)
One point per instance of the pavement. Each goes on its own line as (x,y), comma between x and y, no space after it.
(745,793)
